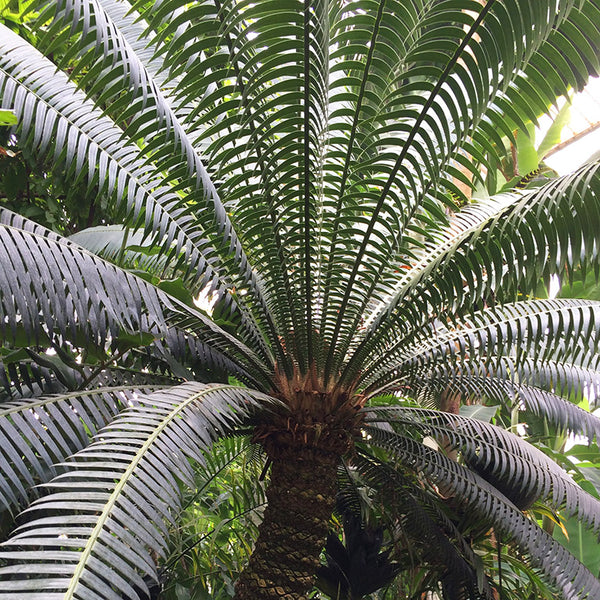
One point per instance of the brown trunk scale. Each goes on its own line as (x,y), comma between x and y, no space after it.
(305,446)
(301,497)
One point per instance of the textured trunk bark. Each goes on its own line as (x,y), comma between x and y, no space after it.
(301,497)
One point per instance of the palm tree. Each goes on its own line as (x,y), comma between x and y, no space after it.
(296,162)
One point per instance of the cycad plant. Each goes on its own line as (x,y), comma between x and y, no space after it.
(296,163)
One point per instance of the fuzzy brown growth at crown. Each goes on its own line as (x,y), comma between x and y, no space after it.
(323,419)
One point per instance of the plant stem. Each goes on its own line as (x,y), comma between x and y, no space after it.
(301,497)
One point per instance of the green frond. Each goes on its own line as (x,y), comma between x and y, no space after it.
(79,134)
(425,528)
(106,516)
(563,377)
(513,466)
(467,263)
(37,433)
(203,359)
(132,250)
(491,508)
(131,27)
(383,319)
(570,48)
(114,75)
(57,288)
(423,110)
(535,385)
(263,123)
(530,330)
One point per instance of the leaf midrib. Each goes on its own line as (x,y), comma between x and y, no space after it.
(124,479)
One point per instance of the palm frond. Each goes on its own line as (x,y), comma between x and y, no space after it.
(246,120)
(133,251)
(113,66)
(116,76)
(425,528)
(205,361)
(383,320)
(425,142)
(106,517)
(491,507)
(513,466)
(132,27)
(40,432)
(533,330)
(564,378)
(536,85)
(492,251)
(391,204)
(534,386)
(79,133)
(58,288)
(130,249)
(22,377)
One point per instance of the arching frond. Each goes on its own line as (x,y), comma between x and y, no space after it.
(37,433)
(81,135)
(435,252)
(490,507)
(426,529)
(425,144)
(534,385)
(61,289)
(513,466)
(490,252)
(536,330)
(106,516)
(78,133)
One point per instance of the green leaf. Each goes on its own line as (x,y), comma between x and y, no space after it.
(582,543)
(64,373)
(178,289)
(588,289)
(127,340)
(527,156)
(10,356)
(7,117)
(553,135)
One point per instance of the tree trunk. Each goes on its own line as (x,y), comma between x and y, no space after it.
(301,497)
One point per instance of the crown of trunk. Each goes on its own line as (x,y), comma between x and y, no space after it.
(324,419)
